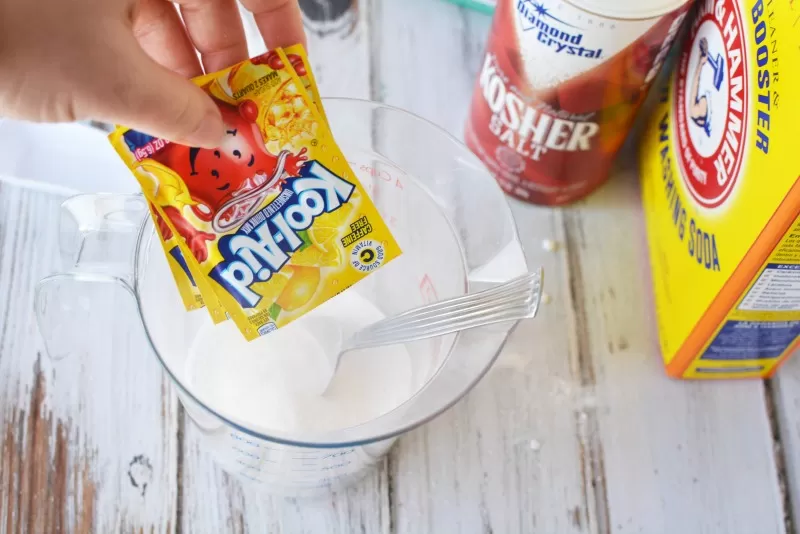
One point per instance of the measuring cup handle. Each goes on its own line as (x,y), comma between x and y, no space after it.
(97,242)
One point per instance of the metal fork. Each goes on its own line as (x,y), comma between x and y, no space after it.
(510,301)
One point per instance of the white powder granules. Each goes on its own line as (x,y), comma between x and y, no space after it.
(275,382)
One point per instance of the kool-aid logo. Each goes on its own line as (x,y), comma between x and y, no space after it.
(143,146)
(263,244)
(711,102)
(552,31)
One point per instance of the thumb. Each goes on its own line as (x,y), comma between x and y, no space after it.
(139,93)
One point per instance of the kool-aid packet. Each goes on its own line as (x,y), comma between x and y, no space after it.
(298,62)
(195,291)
(185,272)
(187,288)
(273,222)
(181,270)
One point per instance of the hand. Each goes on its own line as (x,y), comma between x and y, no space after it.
(126,61)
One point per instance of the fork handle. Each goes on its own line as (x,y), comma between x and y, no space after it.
(408,326)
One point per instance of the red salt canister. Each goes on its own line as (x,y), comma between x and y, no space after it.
(559,89)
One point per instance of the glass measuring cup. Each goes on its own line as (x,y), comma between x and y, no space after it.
(457,234)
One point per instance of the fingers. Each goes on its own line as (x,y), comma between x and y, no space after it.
(145,86)
(160,32)
(139,93)
(279,21)
(216,30)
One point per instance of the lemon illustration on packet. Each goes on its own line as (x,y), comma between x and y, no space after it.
(190,293)
(273,221)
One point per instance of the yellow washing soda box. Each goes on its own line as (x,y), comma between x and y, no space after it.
(720,166)
(273,220)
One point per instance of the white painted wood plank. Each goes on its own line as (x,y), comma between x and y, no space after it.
(786,391)
(212,501)
(89,441)
(678,456)
(508,458)
(429,56)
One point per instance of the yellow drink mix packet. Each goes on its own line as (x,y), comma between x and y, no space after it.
(298,61)
(195,291)
(190,294)
(187,288)
(274,218)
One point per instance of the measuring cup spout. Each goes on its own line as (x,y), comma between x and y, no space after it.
(97,242)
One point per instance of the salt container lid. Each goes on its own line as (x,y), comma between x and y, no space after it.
(629,9)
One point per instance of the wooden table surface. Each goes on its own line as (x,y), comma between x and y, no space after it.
(575,430)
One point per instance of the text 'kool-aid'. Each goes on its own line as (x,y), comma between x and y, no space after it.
(260,229)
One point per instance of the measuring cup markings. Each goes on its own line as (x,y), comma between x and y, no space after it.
(247,466)
(247,441)
(336,466)
(261,470)
(308,455)
(383,174)
(429,295)
(263,460)
(243,439)
(339,453)
(260,480)
(313,452)
(311,469)
(247,453)
(250,456)
(316,454)
(427,289)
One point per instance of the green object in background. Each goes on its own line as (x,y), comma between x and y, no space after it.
(485,6)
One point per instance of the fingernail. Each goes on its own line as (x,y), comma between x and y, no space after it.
(209,132)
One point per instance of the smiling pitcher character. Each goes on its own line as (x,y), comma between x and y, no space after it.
(272,222)
(227,183)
